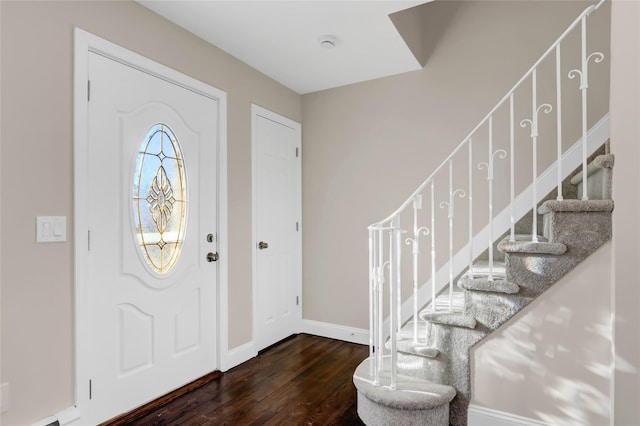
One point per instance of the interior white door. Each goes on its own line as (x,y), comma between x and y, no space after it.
(277,274)
(152,222)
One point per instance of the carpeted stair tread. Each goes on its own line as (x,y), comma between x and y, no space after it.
(406,345)
(576,206)
(483,284)
(442,303)
(481,269)
(525,245)
(420,349)
(455,319)
(410,393)
(605,161)
(406,332)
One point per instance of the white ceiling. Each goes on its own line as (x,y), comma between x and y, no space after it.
(281,38)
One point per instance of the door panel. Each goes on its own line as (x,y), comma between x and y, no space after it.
(277,196)
(153,329)
(135,339)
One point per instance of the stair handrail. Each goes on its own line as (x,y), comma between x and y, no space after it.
(390,227)
(420,188)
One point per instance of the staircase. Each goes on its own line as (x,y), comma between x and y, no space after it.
(418,371)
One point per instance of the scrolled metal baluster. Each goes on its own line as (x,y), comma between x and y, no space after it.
(533,122)
(394,291)
(385,266)
(502,154)
(559,122)
(433,247)
(512,171)
(449,205)
(381,282)
(373,312)
(583,73)
(470,198)
(415,243)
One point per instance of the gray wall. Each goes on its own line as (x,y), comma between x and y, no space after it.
(625,134)
(552,362)
(368,145)
(36,177)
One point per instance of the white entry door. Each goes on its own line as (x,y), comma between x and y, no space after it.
(277,272)
(152,270)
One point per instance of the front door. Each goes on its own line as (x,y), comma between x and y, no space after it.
(152,236)
(277,276)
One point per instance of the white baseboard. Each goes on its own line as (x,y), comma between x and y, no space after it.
(64,417)
(335,331)
(237,356)
(482,416)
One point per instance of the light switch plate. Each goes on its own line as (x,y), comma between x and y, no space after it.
(51,229)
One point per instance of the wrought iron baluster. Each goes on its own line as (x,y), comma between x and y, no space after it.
(381,281)
(501,153)
(559,120)
(470,208)
(533,122)
(450,214)
(433,248)
(373,312)
(512,170)
(415,244)
(583,73)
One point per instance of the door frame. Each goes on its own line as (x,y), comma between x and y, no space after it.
(84,43)
(258,111)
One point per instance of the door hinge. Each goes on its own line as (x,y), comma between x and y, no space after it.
(88,90)
(297,300)
(297,152)
(297,226)
(90,390)
(88,240)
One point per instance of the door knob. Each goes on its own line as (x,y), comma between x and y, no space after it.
(212,257)
(262,245)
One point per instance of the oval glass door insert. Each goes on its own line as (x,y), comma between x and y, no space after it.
(160,199)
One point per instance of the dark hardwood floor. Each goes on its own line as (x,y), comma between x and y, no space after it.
(305,380)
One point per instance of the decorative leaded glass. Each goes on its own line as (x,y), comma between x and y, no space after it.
(160,198)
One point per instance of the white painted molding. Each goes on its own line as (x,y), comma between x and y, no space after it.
(237,356)
(482,416)
(68,416)
(335,331)
(64,417)
(46,421)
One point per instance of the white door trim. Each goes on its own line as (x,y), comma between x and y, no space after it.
(85,43)
(258,111)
